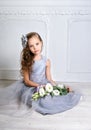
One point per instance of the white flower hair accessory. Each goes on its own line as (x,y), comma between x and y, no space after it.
(24,40)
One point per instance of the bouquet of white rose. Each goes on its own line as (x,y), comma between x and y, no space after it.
(48,89)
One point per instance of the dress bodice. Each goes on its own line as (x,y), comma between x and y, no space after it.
(38,71)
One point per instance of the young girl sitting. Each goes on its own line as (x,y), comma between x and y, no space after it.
(37,89)
(35,69)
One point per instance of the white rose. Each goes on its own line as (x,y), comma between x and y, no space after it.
(49,87)
(61,85)
(41,92)
(56,92)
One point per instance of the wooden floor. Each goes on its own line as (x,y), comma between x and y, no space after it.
(78,118)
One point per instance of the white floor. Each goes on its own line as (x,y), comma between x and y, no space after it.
(78,118)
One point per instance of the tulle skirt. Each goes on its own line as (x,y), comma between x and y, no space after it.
(18,97)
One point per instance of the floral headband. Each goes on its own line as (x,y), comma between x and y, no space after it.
(24,40)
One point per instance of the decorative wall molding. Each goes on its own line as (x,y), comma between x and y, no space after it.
(12,73)
(82,48)
(38,18)
(43,10)
(22,11)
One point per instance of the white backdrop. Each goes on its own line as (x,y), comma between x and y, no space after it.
(65,27)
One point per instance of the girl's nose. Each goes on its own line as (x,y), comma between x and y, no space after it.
(34,47)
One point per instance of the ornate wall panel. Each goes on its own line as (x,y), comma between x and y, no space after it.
(66,23)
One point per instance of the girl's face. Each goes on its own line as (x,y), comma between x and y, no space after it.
(35,45)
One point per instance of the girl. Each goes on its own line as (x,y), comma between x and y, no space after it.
(31,56)
(35,69)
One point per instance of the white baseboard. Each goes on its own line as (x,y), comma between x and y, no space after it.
(14,74)
(10,74)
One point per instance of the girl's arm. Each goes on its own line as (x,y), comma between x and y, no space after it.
(48,73)
(27,81)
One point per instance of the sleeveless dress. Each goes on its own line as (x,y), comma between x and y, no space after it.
(19,92)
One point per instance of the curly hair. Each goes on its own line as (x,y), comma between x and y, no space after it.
(27,56)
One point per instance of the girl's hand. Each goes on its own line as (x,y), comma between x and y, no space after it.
(69,89)
(53,83)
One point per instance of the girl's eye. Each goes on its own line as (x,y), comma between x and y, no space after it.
(30,46)
(37,43)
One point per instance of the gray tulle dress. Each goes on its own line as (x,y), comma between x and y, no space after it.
(19,92)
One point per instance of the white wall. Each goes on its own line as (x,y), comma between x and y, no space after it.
(65,27)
